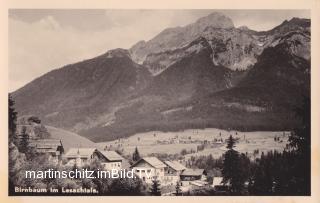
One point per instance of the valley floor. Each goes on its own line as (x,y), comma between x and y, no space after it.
(211,139)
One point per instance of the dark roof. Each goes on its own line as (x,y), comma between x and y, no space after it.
(47,142)
(153,161)
(82,152)
(193,172)
(175,165)
(46,145)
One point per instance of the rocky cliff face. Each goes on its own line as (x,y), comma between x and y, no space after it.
(173,38)
(234,48)
(190,73)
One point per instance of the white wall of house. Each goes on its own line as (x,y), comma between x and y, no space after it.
(112,165)
(170,179)
(147,174)
(78,161)
(203,177)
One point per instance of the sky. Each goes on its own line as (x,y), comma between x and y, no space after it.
(41,40)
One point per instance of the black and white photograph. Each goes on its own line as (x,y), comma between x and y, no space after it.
(159,102)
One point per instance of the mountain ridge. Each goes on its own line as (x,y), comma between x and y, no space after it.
(214,75)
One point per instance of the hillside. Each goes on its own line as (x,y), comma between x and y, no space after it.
(70,96)
(69,139)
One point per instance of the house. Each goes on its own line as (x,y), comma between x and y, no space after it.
(174,167)
(219,187)
(112,160)
(192,175)
(172,172)
(51,147)
(82,156)
(217,181)
(149,168)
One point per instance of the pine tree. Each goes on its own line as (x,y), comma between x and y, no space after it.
(178,188)
(300,141)
(300,138)
(231,170)
(262,178)
(12,117)
(16,159)
(231,143)
(24,141)
(287,173)
(155,187)
(136,155)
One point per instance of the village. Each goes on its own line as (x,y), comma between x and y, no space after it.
(168,171)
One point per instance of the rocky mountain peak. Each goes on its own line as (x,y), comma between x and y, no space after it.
(158,62)
(215,19)
(300,21)
(172,38)
(296,22)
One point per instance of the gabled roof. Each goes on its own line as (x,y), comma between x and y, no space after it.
(82,152)
(46,145)
(112,155)
(48,142)
(46,150)
(193,172)
(153,161)
(175,165)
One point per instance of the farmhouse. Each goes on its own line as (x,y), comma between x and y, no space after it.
(172,172)
(51,147)
(82,156)
(112,160)
(218,186)
(149,168)
(174,168)
(169,173)
(193,176)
